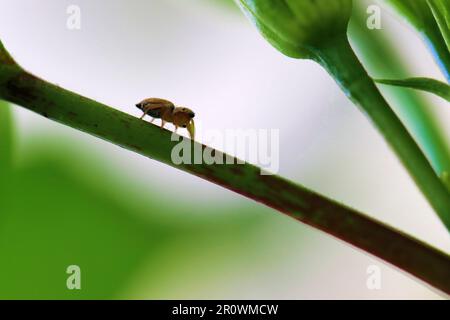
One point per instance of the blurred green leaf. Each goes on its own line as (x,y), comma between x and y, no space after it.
(425,84)
(441,12)
(416,11)
(6,136)
(419,15)
(59,209)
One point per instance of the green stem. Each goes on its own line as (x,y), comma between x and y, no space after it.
(71,109)
(412,108)
(341,62)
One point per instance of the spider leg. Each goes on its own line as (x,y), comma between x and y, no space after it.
(145,113)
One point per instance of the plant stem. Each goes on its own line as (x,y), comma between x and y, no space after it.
(71,109)
(341,62)
(412,108)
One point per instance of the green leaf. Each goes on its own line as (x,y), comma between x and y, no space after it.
(6,136)
(420,16)
(425,84)
(416,12)
(60,207)
(441,12)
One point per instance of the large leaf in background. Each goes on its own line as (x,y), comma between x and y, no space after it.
(373,46)
(6,136)
(425,84)
(441,12)
(419,14)
(60,208)
(49,221)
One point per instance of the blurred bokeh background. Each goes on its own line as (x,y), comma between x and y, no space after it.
(140,229)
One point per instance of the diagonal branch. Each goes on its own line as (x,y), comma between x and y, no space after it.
(71,109)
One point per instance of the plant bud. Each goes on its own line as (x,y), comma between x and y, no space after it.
(298,28)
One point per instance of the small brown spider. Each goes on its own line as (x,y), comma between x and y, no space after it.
(168,112)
